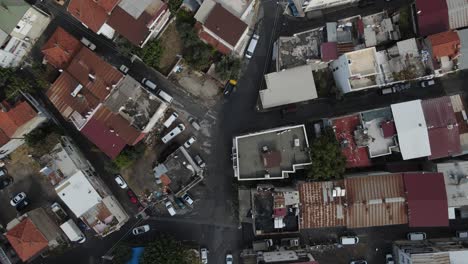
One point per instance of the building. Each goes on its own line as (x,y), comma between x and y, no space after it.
(20,27)
(220,28)
(445,49)
(431,251)
(7,252)
(435,16)
(16,121)
(270,154)
(289,86)
(33,233)
(356,70)
(456,186)
(463,58)
(138,23)
(307,6)
(427,199)
(77,184)
(110,109)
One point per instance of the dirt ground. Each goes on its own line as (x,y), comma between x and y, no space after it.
(172,44)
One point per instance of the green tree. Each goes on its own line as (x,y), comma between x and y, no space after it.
(174,5)
(122,254)
(328,162)
(126,158)
(228,67)
(166,250)
(185,17)
(151,53)
(43,139)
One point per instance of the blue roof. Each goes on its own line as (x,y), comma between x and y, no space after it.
(136,254)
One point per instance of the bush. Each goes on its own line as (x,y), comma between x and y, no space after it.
(151,53)
(14,81)
(197,54)
(166,250)
(43,139)
(174,5)
(185,17)
(126,158)
(122,254)
(228,67)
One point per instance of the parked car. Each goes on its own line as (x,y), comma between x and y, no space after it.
(204,255)
(88,43)
(170,120)
(349,240)
(5,181)
(388,90)
(140,230)
(173,133)
(358,262)
(187,199)
(59,212)
(427,83)
(123,68)
(416,236)
(229,259)
(199,161)
(251,48)
(462,234)
(131,195)
(84,227)
(194,123)
(170,208)
(120,181)
(389,259)
(17,199)
(165,96)
(3,172)
(229,87)
(190,142)
(180,203)
(149,83)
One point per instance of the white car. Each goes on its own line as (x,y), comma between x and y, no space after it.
(189,142)
(389,259)
(17,199)
(120,181)
(170,208)
(140,230)
(204,255)
(229,259)
(187,199)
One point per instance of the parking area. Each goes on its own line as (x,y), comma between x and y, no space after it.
(25,173)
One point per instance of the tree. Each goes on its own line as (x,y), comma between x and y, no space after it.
(228,67)
(122,255)
(151,53)
(126,158)
(174,5)
(328,161)
(43,139)
(166,250)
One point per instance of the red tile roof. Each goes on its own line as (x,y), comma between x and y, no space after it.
(329,51)
(388,129)
(85,64)
(445,44)
(14,118)
(213,42)
(60,49)
(375,201)
(27,240)
(427,199)
(225,25)
(442,127)
(135,30)
(122,128)
(344,130)
(433,16)
(90,13)
(107,5)
(107,141)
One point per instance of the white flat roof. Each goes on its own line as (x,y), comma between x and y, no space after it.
(458,257)
(289,86)
(204,10)
(411,127)
(78,194)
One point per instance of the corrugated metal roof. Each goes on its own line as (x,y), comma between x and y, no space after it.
(431,258)
(457,13)
(433,16)
(463,58)
(318,207)
(375,201)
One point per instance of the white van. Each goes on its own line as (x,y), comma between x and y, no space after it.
(170,208)
(252,45)
(174,132)
(149,83)
(165,96)
(170,120)
(416,236)
(349,240)
(73,232)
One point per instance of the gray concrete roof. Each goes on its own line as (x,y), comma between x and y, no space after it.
(463,59)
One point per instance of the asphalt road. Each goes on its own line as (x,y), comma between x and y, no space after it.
(214,225)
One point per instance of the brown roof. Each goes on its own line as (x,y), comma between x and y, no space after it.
(135,30)
(27,240)
(318,206)
(107,5)
(89,12)
(60,49)
(225,25)
(445,44)
(86,64)
(117,123)
(14,118)
(60,95)
(376,201)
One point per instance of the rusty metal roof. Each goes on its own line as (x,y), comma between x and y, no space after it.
(375,201)
(318,206)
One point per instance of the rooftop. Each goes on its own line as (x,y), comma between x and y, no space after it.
(319,206)
(344,127)
(253,150)
(433,16)
(12,118)
(427,199)
(27,240)
(288,87)
(329,51)
(225,25)
(375,200)
(445,44)
(60,49)
(378,133)
(412,131)
(378,29)
(90,12)
(456,183)
(78,194)
(444,136)
(463,58)
(299,49)
(362,62)
(11,12)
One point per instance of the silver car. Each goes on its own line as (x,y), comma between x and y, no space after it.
(17,199)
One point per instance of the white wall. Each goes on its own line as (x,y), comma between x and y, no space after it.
(341,74)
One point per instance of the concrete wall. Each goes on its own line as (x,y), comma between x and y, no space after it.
(341,74)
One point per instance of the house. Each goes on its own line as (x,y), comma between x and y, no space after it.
(436,16)
(16,121)
(77,184)
(21,25)
(445,49)
(356,70)
(7,252)
(270,154)
(431,251)
(110,109)
(138,23)
(221,29)
(33,233)
(307,6)
(288,87)
(456,186)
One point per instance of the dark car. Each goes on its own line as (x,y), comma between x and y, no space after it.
(200,162)
(180,203)
(5,181)
(229,87)
(364,3)
(132,197)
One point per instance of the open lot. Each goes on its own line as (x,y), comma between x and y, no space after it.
(172,45)
(25,173)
